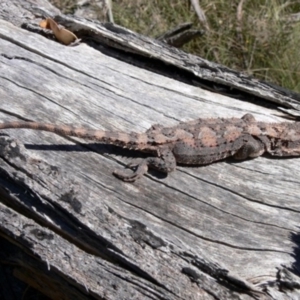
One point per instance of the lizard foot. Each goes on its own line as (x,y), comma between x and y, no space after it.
(139,170)
(251,148)
(165,163)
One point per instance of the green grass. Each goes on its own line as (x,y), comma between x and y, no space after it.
(263,43)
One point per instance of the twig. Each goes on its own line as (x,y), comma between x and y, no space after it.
(180,35)
(108,4)
(200,13)
(239,17)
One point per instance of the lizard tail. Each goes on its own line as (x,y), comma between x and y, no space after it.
(122,139)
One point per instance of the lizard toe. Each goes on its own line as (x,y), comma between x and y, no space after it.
(141,169)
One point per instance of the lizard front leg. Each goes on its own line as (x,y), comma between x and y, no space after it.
(165,163)
(251,147)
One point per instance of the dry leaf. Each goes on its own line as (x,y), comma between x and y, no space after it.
(62,34)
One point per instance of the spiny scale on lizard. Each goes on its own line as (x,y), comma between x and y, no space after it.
(197,142)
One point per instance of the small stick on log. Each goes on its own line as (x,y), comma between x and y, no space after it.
(180,35)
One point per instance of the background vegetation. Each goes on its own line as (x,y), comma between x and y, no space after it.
(260,38)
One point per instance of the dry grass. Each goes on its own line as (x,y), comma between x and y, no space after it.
(256,38)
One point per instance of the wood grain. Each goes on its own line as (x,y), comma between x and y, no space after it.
(216,232)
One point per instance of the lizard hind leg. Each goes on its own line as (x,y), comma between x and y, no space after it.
(165,163)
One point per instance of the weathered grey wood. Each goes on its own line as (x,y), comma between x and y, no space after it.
(164,238)
(201,72)
(75,273)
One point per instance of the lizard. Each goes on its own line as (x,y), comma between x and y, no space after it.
(197,142)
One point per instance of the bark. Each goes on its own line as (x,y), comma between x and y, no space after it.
(73,231)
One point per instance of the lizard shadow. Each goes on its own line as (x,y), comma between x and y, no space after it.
(102,149)
(86,147)
(134,155)
(270,157)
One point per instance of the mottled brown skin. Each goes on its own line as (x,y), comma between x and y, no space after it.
(198,142)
